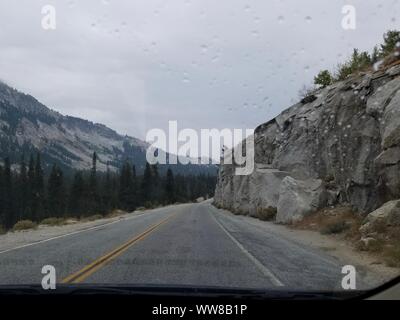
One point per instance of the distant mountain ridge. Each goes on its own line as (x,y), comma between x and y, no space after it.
(28,126)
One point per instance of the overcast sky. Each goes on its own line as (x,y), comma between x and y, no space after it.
(134,65)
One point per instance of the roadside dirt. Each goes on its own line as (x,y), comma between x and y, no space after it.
(371,267)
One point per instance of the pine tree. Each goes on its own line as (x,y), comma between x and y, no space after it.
(2,190)
(56,193)
(76,201)
(31,210)
(181,189)
(375,55)
(156,186)
(170,187)
(23,191)
(323,79)
(391,40)
(94,205)
(134,191)
(115,191)
(8,201)
(106,192)
(146,186)
(127,192)
(39,192)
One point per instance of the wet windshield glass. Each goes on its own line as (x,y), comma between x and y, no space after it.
(229,144)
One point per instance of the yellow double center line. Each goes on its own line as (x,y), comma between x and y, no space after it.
(85,272)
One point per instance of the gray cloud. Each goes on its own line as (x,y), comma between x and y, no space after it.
(134,65)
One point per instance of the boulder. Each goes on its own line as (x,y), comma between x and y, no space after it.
(264,188)
(299,198)
(366,242)
(389,213)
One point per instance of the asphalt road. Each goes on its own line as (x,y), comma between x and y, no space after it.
(190,244)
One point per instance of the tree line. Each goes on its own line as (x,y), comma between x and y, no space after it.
(28,193)
(385,53)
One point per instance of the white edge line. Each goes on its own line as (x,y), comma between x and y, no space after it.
(69,234)
(257,263)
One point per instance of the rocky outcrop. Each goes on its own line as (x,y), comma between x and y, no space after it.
(299,198)
(389,214)
(347,138)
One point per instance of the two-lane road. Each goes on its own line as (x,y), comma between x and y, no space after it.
(190,244)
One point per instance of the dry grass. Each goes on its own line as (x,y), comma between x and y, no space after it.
(266,214)
(339,220)
(24,225)
(53,221)
(384,242)
(91,218)
(392,60)
(391,255)
(336,227)
(115,213)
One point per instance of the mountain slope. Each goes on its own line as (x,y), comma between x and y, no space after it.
(28,126)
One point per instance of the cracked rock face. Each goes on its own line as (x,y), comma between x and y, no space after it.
(299,198)
(347,138)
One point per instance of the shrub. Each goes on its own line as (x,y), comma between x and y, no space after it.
(24,225)
(149,205)
(115,213)
(266,214)
(306,94)
(323,79)
(375,245)
(392,255)
(53,221)
(2,230)
(390,42)
(335,227)
(93,217)
(358,62)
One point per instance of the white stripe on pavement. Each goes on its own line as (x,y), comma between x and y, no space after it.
(257,263)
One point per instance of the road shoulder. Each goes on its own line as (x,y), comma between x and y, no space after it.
(373,271)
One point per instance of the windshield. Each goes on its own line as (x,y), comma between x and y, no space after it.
(213,144)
